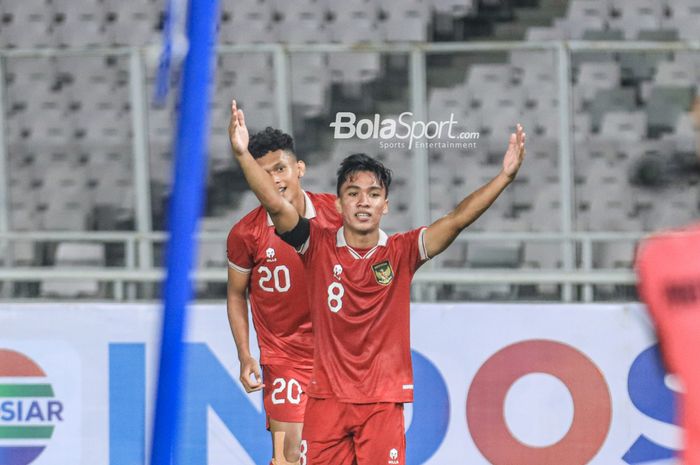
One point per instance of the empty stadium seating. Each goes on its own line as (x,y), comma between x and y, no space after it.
(69,117)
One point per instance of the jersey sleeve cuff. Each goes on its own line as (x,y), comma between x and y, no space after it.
(421,245)
(240,269)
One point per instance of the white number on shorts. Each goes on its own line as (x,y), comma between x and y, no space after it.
(280,384)
(336,291)
(302,453)
(280,275)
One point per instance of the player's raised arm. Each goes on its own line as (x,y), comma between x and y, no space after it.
(283,214)
(442,232)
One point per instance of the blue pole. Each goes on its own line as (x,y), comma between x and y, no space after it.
(183,214)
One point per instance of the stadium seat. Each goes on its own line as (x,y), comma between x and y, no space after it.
(593,77)
(640,66)
(79,24)
(454,8)
(608,100)
(27,24)
(300,22)
(212,254)
(543,33)
(500,254)
(582,16)
(80,255)
(353,21)
(675,73)
(684,16)
(354,67)
(665,105)
(541,255)
(544,215)
(310,82)
(624,126)
(404,21)
(613,255)
(633,17)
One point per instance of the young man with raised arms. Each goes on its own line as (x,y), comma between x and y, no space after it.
(359,289)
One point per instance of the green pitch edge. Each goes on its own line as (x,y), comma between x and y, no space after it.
(26,432)
(26,390)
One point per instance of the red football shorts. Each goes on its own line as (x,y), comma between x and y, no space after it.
(284,394)
(337,433)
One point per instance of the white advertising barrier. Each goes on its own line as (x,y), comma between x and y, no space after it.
(518,384)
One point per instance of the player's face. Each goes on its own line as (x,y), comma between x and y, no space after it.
(362,202)
(286,172)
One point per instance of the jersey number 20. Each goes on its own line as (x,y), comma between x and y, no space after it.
(279,276)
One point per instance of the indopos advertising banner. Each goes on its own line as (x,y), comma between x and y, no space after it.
(501,384)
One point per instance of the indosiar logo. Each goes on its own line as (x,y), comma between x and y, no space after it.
(29,409)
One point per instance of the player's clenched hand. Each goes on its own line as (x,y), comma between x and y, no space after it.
(237,130)
(515,153)
(249,366)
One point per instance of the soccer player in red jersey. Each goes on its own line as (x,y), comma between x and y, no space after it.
(359,286)
(668,266)
(271,273)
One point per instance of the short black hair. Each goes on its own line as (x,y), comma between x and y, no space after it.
(270,140)
(358,162)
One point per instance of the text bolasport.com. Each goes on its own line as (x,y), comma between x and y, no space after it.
(346,126)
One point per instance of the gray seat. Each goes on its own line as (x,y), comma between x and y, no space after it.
(665,105)
(609,100)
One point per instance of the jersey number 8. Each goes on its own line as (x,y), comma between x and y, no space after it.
(336,291)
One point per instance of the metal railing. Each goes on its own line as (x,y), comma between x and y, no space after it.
(139,243)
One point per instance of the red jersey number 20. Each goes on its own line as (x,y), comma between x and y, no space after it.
(276,279)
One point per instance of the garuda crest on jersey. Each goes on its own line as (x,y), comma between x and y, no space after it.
(383,272)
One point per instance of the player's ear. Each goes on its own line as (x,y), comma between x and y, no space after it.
(386,206)
(301,166)
(338,207)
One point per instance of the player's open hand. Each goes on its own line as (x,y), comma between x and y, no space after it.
(251,369)
(237,131)
(516,152)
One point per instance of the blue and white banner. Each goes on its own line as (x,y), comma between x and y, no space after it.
(501,384)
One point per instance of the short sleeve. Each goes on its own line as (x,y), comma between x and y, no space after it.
(239,251)
(412,248)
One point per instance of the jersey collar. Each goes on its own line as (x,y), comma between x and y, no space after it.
(340,242)
(309,212)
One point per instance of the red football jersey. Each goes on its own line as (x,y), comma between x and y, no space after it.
(277,289)
(668,266)
(360,304)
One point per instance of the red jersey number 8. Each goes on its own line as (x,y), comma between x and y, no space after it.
(336,291)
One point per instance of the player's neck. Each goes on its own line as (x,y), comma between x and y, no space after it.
(361,239)
(299,203)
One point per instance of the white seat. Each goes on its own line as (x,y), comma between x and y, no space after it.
(675,73)
(455,8)
(404,21)
(74,254)
(624,126)
(301,22)
(637,16)
(614,255)
(593,77)
(212,254)
(543,33)
(354,67)
(542,255)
